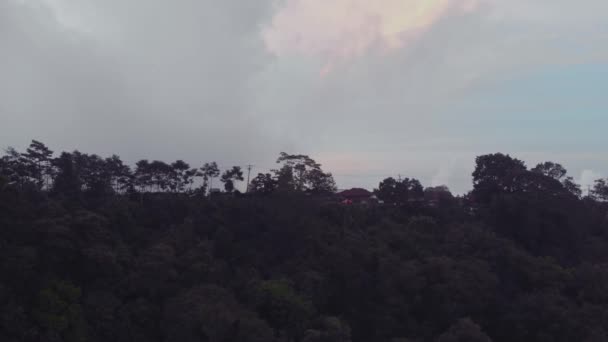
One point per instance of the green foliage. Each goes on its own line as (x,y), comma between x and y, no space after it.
(59,313)
(283,308)
(396,192)
(100,253)
(210,313)
(301,173)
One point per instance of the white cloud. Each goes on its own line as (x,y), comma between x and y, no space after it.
(337,30)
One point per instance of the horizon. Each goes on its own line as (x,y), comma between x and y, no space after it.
(586,181)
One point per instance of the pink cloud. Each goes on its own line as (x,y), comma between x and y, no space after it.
(337,30)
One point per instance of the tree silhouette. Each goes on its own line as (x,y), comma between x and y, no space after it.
(263,184)
(558,172)
(302,174)
(209,171)
(68,180)
(14,169)
(600,190)
(83,259)
(37,159)
(495,174)
(397,192)
(120,174)
(143,175)
(182,176)
(229,177)
(550,169)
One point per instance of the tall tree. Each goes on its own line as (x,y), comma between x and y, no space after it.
(143,175)
(209,171)
(161,173)
(495,173)
(299,172)
(182,175)
(600,190)
(229,177)
(120,174)
(68,181)
(14,168)
(38,162)
(263,184)
(95,176)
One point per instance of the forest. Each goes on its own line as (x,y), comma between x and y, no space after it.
(93,249)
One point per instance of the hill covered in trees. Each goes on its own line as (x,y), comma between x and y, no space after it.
(94,250)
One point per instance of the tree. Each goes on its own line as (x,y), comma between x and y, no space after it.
(93,173)
(393,191)
(263,184)
(285,179)
(572,186)
(209,171)
(143,175)
(558,172)
(38,162)
(439,196)
(301,173)
(440,191)
(551,169)
(283,308)
(600,190)
(161,173)
(230,177)
(211,313)
(321,182)
(120,174)
(67,181)
(14,168)
(59,313)
(494,174)
(182,176)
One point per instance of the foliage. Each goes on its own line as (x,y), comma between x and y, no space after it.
(230,177)
(400,192)
(95,251)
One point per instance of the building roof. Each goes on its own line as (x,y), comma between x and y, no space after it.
(355,193)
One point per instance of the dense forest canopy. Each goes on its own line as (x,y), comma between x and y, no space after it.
(93,249)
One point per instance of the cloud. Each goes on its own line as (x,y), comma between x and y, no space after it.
(413,83)
(143,78)
(343,29)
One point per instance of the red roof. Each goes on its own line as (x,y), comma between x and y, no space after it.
(355,193)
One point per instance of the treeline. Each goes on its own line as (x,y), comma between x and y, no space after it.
(522,257)
(75,172)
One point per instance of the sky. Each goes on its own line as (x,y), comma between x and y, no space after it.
(370,89)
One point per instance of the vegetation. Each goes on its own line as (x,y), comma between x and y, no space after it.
(92,250)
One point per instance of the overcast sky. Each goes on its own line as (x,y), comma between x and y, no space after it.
(369,88)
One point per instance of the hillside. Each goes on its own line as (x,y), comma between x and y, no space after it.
(92,251)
